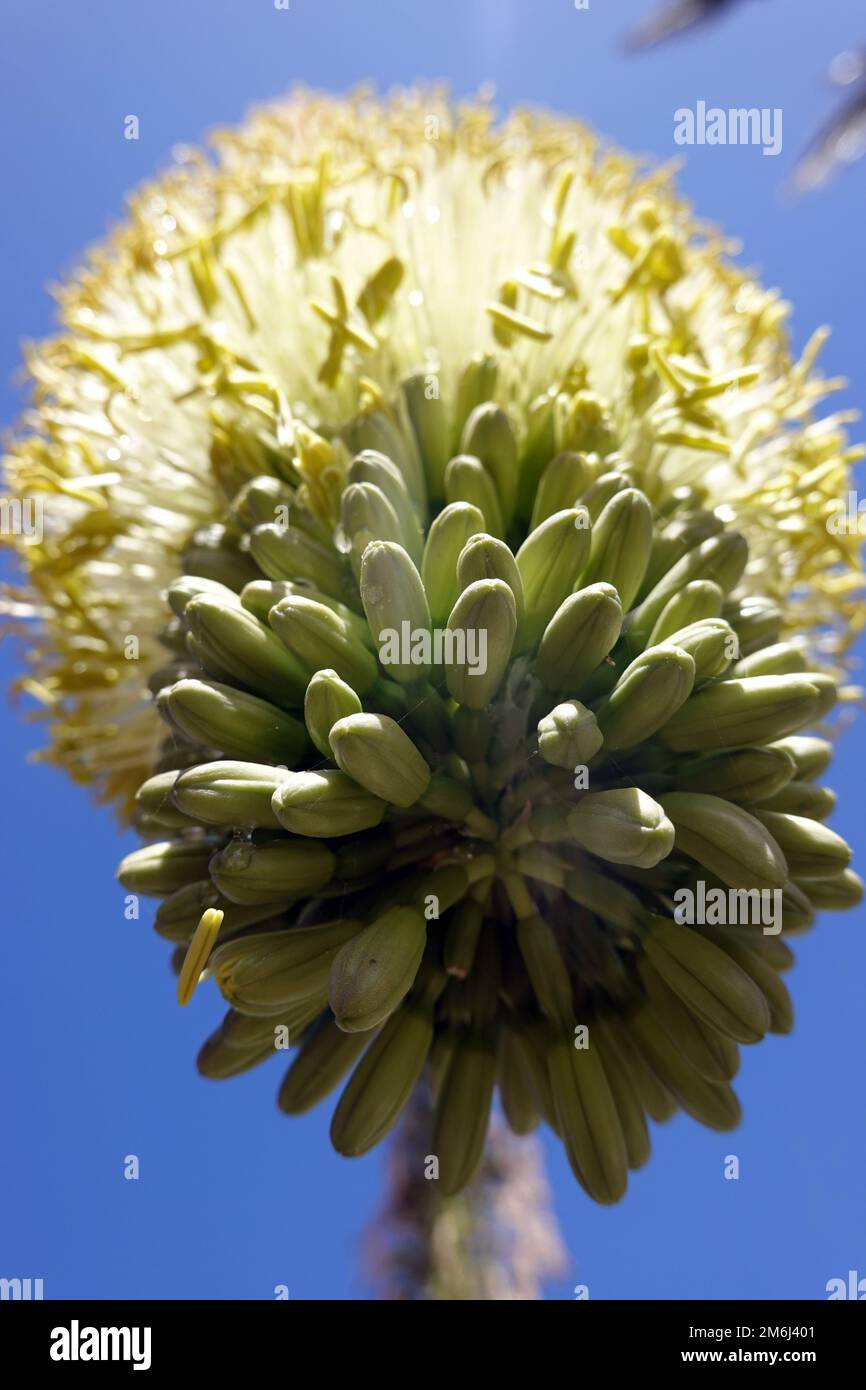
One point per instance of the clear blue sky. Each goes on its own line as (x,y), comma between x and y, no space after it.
(97,1058)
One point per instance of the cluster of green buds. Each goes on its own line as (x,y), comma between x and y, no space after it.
(453,719)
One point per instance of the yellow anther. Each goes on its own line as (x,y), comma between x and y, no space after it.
(196,957)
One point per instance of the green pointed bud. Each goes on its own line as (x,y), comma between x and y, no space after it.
(579,636)
(646,696)
(606,897)
(325,804)
(489,437)
(560,486)
(733,713)
(477,384)
(756,620)
(485,557)
(781,659)
(397,612)
(602,491)
(674,541)
(720,559)
(284,869)
(429,422)
(696,601)
(366,515)
(229,793)
(317,638)
(826,691)
(836,894)
(328,699)
(712,645)
(323,1060)
(263,972)
(229,641)
(374,751)
(155,870)
(186,586)
(239,725)
(463,1112)
(624,826)
(263,595)
(372,973)
(370,467)
(547,970)
(446,538)
(213,554)
(286,553)
(375,431)
(262,500)
(550,561)
(811,849)
(801,799)
(812,756)
(178,915)
(153,802)
(621,540)
(569,735)
(798,910)
(481,631)
(467,480)
(727,840)
(746,774)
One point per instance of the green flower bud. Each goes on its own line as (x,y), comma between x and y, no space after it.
(477,384)
(367,515)
(397,611)
(569,735)
(602,491)
(467,480)
(837,894)
(756,621)
(712,645)
(482,625)
(746,774)
(698,600)
(374,751)
(720,559)
(621,541)
(155,870)
(318,638)
(327,699)
(229,793)
(239,725)
(579,636)
(801,799)
(782,659)
(592,889)
(178,915)
(372,973)
(261,973)
(811,849)
(561,484)
(214,555)
(186,586)
(259,598)
(645,697)
(726,840)
(370,467)
(675,540)
(257,501)
(153,802)
(812,756)
(325,804)
(485,557)
(447,536)
(488,436)
(550,561)
(230,642)
(430,425)
(285,553)
(321,1063)
(624,826)
(733,713)
(276,872)
(376,432)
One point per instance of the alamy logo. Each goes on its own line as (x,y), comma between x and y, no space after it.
(740,125)
(441,647)
(854,1289)
(731,907)
(77,1343)
(23,1289)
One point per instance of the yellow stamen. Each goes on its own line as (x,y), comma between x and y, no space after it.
(197,954)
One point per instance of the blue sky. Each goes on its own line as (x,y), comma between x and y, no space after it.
(98,1060)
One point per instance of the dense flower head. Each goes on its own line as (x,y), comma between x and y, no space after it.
(469,515)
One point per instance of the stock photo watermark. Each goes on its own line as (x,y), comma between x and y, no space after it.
(736,125)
